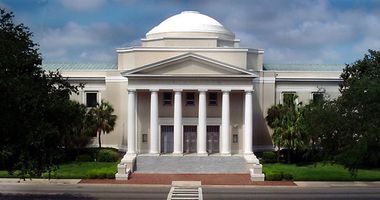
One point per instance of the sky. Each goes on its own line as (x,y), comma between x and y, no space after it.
(289,31)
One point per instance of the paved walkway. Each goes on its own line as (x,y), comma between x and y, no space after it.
(190,164)
(39,181)
(205,179)
(338,183)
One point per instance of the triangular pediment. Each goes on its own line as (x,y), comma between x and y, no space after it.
(189,65)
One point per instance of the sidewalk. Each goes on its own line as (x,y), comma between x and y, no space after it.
(337,183)
(39,181)
(217,180)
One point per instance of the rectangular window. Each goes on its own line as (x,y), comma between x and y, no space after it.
(235,138)
(288,98)
(190,99)
(144,138)
(212,99)
(317,97)
(167,98)
(91,99)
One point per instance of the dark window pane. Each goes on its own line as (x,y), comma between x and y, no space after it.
(317,97)
(91,99)
(190,99)
(144,138)
(167,98)
(235,138)
(212,99)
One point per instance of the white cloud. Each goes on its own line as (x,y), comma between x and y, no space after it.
(82,5)
(98,56)
(289,32)
(75,42)
(71,35)
(300,31)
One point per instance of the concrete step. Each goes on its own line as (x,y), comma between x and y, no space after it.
(190,164)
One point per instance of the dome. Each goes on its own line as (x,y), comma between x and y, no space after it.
(190,24)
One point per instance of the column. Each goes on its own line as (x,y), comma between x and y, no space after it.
(154,122)
(131,122)
(226,136)
(202,124)
(248,122)
(178,122)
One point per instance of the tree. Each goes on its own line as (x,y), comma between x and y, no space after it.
(35,106)
(76,126)
(358,108)
(284,120)
(317,118)
(103,118)
(347,129)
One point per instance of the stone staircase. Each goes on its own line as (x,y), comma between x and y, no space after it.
(190,164)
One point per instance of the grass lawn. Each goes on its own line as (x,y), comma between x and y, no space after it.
(322,172)
(80,170)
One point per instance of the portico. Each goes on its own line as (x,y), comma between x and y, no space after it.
(187,114)
(201,123)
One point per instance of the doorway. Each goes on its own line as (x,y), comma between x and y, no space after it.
(190,139)
(167,139)
(213,139)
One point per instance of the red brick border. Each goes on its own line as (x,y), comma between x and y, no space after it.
(206,179)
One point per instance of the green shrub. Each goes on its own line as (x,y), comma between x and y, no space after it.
(107,155)
(101,174)
(287,176)
(269,157)
(273,176)
(278,176)
(84,158)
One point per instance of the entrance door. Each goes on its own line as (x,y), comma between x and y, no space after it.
(167,139)
(213,139)
(190,139)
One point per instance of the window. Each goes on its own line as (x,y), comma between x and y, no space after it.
(212,99)
(91,99)
(317,97)
(144,138)
(167,98)
(288,98)
(190,99)
(235,138)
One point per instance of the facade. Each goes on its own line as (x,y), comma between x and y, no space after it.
(191,89)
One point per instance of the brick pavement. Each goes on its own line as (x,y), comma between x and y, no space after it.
(206,179)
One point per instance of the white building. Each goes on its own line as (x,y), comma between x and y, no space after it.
(191,89)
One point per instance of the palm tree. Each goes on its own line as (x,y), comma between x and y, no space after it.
(284,120)
(103,119)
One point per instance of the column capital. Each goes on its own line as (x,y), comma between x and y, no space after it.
(177,90)
(131,90)
(202,90)
(154,90)
(226,90)
(249,90)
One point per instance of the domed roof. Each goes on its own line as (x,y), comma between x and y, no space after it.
(190,24)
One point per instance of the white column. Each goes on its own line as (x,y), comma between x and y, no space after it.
(178,122)
(226,136)
(202,124)
(154,122)
(131,122)
(248,122)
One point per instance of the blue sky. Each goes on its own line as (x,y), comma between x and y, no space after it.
(291,31)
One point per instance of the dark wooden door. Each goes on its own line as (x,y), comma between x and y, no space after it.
(190,139)
(213,139)
(167,139)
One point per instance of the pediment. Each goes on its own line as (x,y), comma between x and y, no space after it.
(188,65)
